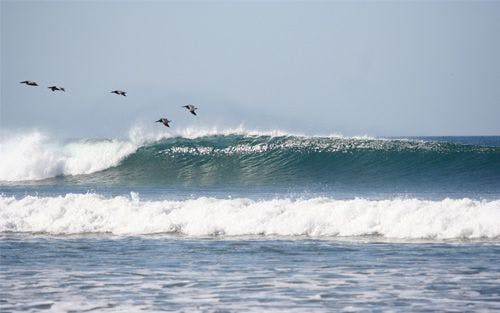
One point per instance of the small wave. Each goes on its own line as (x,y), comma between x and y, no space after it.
(317,217)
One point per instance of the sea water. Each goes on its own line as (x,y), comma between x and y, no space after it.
(241,221)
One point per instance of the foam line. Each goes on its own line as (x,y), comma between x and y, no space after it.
(316,217)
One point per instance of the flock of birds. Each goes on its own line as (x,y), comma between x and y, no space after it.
(191,108)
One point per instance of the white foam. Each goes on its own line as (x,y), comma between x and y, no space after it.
(141,133)
(317,217)
(34,156)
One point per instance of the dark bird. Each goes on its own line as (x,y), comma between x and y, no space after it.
(191,108)
(55,88)
(119,92)
(164,121)
(29,83)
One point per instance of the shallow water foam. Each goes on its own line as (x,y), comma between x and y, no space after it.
(316,217)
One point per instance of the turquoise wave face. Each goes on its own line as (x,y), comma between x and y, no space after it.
(304,161)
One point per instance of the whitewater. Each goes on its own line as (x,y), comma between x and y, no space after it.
(239,182)
(239,220)
(317,217)
(36,156)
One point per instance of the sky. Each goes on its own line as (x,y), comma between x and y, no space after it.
(353,68)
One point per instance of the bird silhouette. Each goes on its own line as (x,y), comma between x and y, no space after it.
(191,108)
(29,83)
(164,121)
(55,88)
(119,92)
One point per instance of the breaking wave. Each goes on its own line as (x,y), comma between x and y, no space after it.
(36,156)
(316,217)
(213,157)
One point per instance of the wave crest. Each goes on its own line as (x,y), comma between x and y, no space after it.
(35,156)
(318,217)
(195,156)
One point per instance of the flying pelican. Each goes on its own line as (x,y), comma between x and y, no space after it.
(55,88)
(29,83)
(191,108)
(164,121)
(119,92)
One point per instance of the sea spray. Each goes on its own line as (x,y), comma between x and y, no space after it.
(35,156)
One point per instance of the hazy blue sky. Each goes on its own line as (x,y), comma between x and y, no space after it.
(388,68)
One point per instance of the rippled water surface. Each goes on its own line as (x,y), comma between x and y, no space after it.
(101,273)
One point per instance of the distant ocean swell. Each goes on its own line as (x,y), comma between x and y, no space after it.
(252,159)
(317,217)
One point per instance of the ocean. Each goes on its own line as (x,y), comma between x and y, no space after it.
(249,221)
